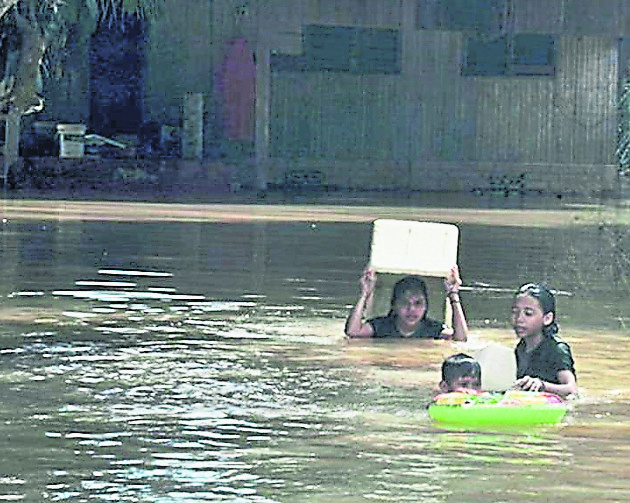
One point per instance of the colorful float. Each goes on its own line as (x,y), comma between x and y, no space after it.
(510,408)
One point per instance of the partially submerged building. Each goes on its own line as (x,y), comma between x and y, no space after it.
(388,94)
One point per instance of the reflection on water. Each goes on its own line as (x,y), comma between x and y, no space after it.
(205,362)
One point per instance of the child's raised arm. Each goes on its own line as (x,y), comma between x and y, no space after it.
(460,325)
(355,326)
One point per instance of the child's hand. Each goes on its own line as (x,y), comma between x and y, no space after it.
(368,281)
(528,383)
(452,281)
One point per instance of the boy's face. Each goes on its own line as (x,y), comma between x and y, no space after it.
(463,383)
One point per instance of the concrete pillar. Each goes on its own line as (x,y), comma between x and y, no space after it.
(192,137)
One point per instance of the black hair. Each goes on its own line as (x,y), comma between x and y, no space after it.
(547,301)
(460,365)
(410,284)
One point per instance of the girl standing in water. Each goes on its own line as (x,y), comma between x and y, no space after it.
(543,361)
(408,313)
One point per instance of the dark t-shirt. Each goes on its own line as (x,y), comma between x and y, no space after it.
(550,357)
(385,326)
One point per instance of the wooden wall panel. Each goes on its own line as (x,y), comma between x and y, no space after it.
(383,128)
(514,119)
(539,16)
(179,57)
(591,17)
(585,99)
(570,118)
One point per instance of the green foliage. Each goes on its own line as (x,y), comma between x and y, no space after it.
(112,10)
(50,20)
(98,10)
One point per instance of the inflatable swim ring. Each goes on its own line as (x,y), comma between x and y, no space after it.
(513,407)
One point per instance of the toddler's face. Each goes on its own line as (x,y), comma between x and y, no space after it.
(465,382)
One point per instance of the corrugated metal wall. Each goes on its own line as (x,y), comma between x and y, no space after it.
(431,73)
(333,116)
(568,119)
(425,128)
(430,113)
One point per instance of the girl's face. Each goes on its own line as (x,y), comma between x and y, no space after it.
(528,318)
(410,309)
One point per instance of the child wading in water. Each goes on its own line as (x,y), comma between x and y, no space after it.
(408,313)
(544,362)
(460,372)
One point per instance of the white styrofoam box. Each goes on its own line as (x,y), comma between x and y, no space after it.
(412,247)
(71,140)
(498,367)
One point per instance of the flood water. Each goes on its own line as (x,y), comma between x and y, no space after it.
(185,361)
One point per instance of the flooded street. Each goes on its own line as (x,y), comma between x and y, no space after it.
(187,353)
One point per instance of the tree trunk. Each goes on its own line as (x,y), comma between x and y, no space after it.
(11,141)
(5,5)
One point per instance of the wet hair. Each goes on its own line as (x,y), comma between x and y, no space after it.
(460,365)
(547,301)
(410,285)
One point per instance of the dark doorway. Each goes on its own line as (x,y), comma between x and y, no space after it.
(116,80)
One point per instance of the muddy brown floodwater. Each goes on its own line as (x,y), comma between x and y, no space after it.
(194,352)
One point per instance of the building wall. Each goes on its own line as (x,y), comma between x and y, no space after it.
(180,61)
(570,118)
(431,128)
(424,128)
